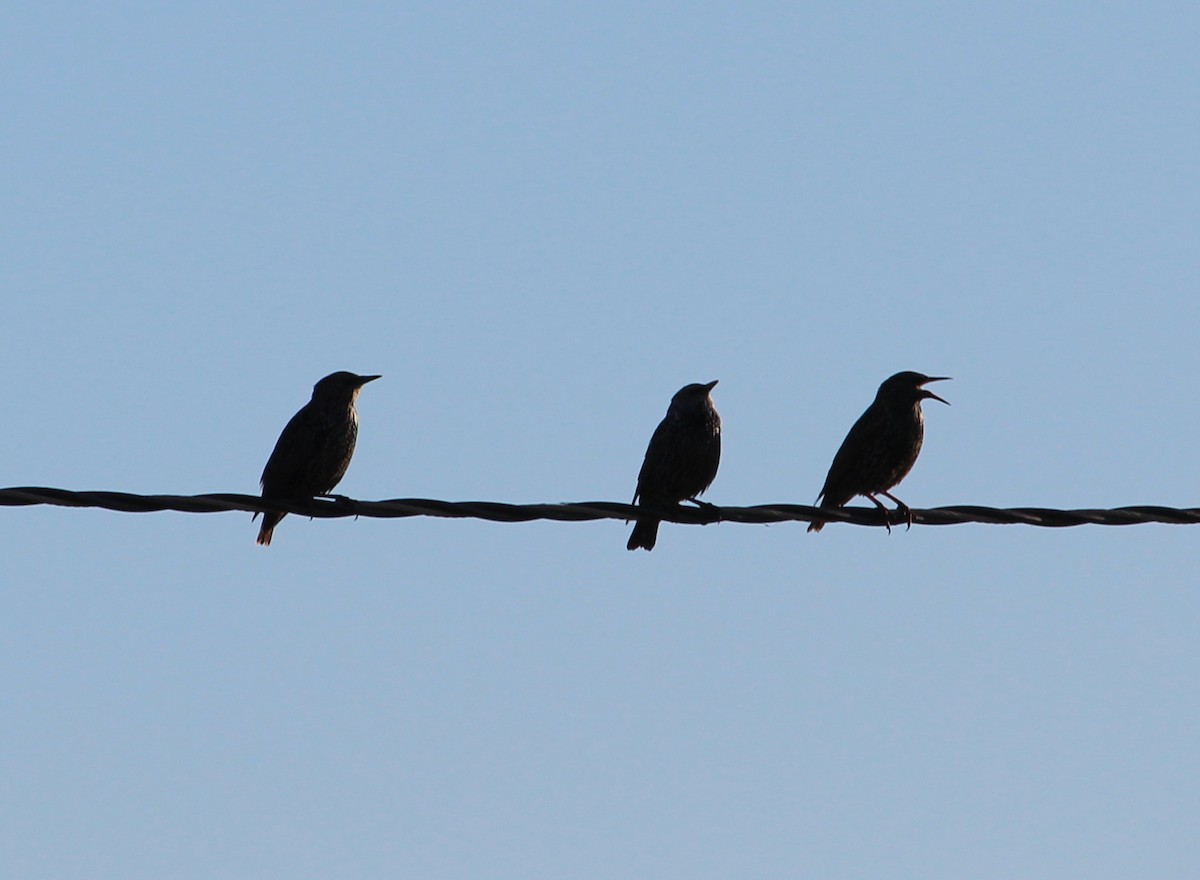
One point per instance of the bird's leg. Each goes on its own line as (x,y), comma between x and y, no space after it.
(887,514)
(902,508)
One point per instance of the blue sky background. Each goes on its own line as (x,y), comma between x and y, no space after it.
(538,221)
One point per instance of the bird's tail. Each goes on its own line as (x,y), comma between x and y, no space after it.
(645,533)
(270,520)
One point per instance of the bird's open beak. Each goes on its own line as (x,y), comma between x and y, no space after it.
(926,393)
(711,385)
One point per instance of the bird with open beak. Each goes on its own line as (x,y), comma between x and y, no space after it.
(882,446)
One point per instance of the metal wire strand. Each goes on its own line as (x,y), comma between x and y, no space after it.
(340,506)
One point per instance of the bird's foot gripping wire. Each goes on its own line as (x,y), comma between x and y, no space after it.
(711,509)
(338,500)
(887,514)
(903,509)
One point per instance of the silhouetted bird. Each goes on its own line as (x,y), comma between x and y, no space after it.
(681,460)
(314,450)
(882,447)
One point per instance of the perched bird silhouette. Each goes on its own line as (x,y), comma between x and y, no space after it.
(681,460)
(314,450)
(882,446)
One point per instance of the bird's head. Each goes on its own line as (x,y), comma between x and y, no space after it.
(908,388)
(693,397)
(341,385)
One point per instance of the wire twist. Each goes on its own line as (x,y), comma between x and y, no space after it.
(340,506)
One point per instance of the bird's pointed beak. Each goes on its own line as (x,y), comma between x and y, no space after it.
(363,380)
(926,393)
(711,385)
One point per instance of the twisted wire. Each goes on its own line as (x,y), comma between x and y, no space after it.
(760,514)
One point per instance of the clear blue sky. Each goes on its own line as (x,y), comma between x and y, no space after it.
(538,221)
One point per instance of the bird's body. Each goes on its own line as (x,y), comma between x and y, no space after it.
(882,446)
(681,460)
(315,448)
